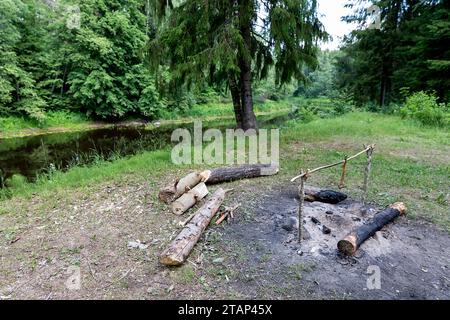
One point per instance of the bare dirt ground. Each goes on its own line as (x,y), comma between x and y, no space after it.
(250,257)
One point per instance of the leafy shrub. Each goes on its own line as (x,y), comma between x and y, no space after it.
(425,108)
(16,181)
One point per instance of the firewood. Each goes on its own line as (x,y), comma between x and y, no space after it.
(189,199)
(353,240)
(177,189)
(180,248)
(327,196)
(227,174)
(228,212)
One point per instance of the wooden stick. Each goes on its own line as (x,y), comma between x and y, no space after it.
(354,239)
(333,164)
(367,174)
(344,172)
(227,212)
(301,204)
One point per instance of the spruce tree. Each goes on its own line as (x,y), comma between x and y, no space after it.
(236,42)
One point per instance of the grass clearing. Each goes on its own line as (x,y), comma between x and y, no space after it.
(411,163)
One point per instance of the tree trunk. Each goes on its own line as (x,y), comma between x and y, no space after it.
(182,245)
(352,241)
(236,97)
(248,115)
(227,174)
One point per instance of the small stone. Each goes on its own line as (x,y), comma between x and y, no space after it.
(218,260)
(326,230)
(315,220)
(356,219)
(137,245)
(290,224)
(300,252)
(329,212)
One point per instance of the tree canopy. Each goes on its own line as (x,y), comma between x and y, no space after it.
(235,42)
(409,52)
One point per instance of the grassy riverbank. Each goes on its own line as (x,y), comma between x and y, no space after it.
(61,121)
(410,164)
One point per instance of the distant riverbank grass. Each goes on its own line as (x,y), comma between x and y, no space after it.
(53,119)
(57,121)
(410,163)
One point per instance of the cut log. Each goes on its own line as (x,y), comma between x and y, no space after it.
(327,196)
(182,245)
(352,241)
(228,174)
(178,188)
(189,199)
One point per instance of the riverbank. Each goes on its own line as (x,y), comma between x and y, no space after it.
(86,217)
(65,122)
(411,162)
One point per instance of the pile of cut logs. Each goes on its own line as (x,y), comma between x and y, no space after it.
(184,193)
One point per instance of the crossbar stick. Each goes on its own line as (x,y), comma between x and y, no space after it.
(333,164)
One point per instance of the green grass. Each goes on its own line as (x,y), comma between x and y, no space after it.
(16,126)
(85,176)
(411,163)
(225,109)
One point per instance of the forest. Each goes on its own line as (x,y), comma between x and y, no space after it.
(224,149)
(147,59)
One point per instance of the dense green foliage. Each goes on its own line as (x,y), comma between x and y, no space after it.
(320,82)
(409,51)
(89,59)
(86,58)
(425,108)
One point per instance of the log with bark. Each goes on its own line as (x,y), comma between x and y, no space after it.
(228,174)
(327,196)
(189,199)
(352,241)
(175,190)
(182,245)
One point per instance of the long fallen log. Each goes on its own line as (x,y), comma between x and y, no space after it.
(175,190)
(189,199)
(327,196)
(227,174)
(352,241)
(182,245)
